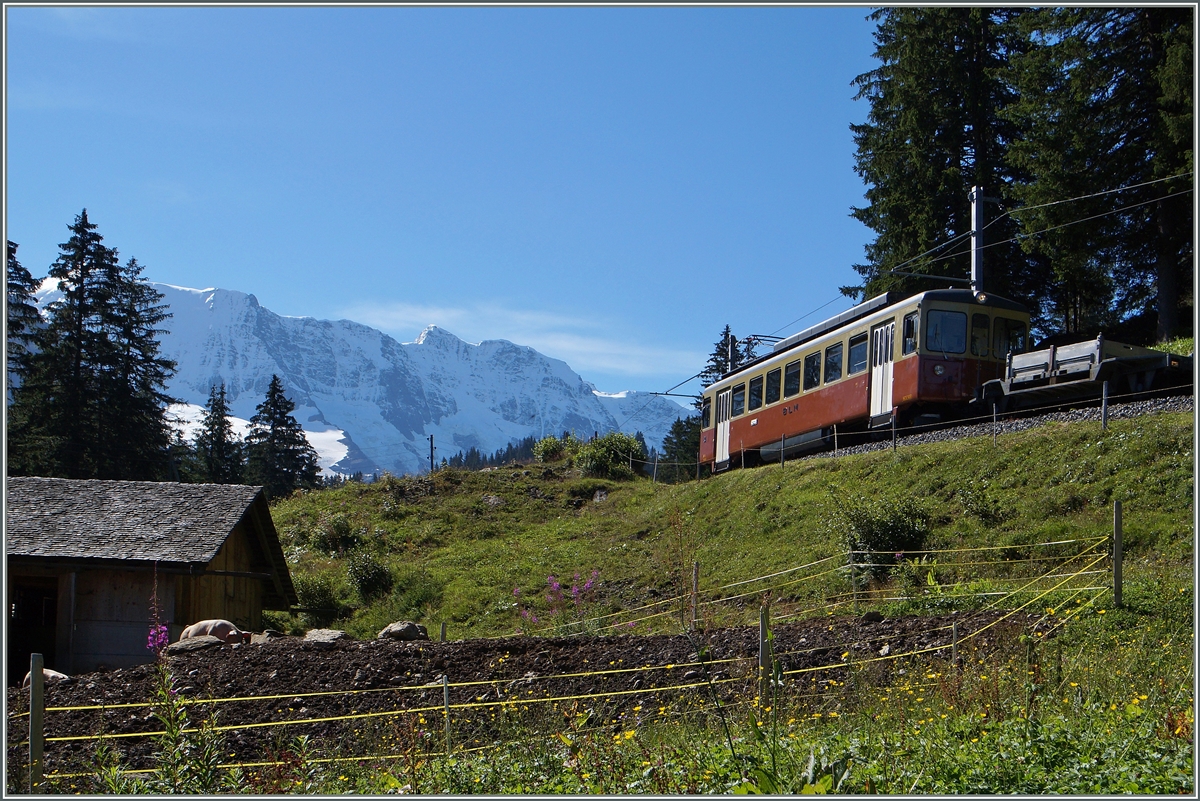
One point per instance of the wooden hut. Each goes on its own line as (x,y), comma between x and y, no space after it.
(92,564)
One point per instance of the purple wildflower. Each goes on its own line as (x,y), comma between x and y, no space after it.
(158,638)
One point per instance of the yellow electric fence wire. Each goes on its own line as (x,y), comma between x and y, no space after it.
(774,575)
(931,649)
(492,747)
(407,711)
(412,688)
(994,547)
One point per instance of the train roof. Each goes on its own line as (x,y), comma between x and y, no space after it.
(876,304)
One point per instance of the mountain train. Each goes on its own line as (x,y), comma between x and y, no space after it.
(896,361)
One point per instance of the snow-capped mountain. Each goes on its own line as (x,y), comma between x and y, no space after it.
(370,403)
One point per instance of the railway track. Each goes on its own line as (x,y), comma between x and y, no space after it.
(1009,423)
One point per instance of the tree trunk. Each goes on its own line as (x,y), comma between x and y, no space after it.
(1167,286)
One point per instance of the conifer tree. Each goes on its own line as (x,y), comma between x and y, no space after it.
(728,354)
(91,401)
(1106,102)
(22,315)
(934,130)
(219,453)
(133,386)
(280,458)
(681,450)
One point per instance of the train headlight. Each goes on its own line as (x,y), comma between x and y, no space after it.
(939,369)
(981,297)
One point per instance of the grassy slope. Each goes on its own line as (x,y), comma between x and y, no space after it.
(457,558)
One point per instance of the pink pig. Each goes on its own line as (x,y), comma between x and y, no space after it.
(221,629)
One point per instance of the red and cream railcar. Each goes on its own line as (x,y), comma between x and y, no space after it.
(885,359)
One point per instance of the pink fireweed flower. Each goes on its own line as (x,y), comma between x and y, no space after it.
(158,638)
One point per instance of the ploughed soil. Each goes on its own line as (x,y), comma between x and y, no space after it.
(293,679)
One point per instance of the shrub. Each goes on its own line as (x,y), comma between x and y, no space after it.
(610,456)
(548,449)
(319,597)
(552,449)
(336,536)
(882,527)
(369,577)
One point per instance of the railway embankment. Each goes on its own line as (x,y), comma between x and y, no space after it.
(477,550)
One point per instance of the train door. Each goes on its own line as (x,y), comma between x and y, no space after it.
(724,404)
(882,345)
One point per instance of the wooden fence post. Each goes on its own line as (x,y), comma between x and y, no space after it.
(37,706)
(1118,556)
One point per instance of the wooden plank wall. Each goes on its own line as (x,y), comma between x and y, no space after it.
(233,598)
(112,618)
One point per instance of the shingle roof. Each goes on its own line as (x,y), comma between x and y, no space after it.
(135,520)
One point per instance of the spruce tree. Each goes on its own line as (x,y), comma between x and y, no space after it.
(728,354)
(219,453)
(681,450)
(22,318)
(133,386)
(934,130)
(91,400)
(1106,102)
(280,458)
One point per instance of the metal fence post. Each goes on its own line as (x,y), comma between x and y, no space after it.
(1117,554)
(1104,407)
(994,426)
(853,582)
(695,594)
(443,631)
(764,654)
(954,643)
(446,705)
(37,706)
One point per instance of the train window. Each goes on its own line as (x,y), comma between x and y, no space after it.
(858,354)
(755,392)
(739,399)
(833,362)
(773,385)
(812,370)
(910,332)
(946,331)
(979,334)
(1008,337)
(791,379)
(706,412)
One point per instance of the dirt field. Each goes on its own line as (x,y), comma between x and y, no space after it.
(282,671)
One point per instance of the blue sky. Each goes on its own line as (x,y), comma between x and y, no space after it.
(608,185)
